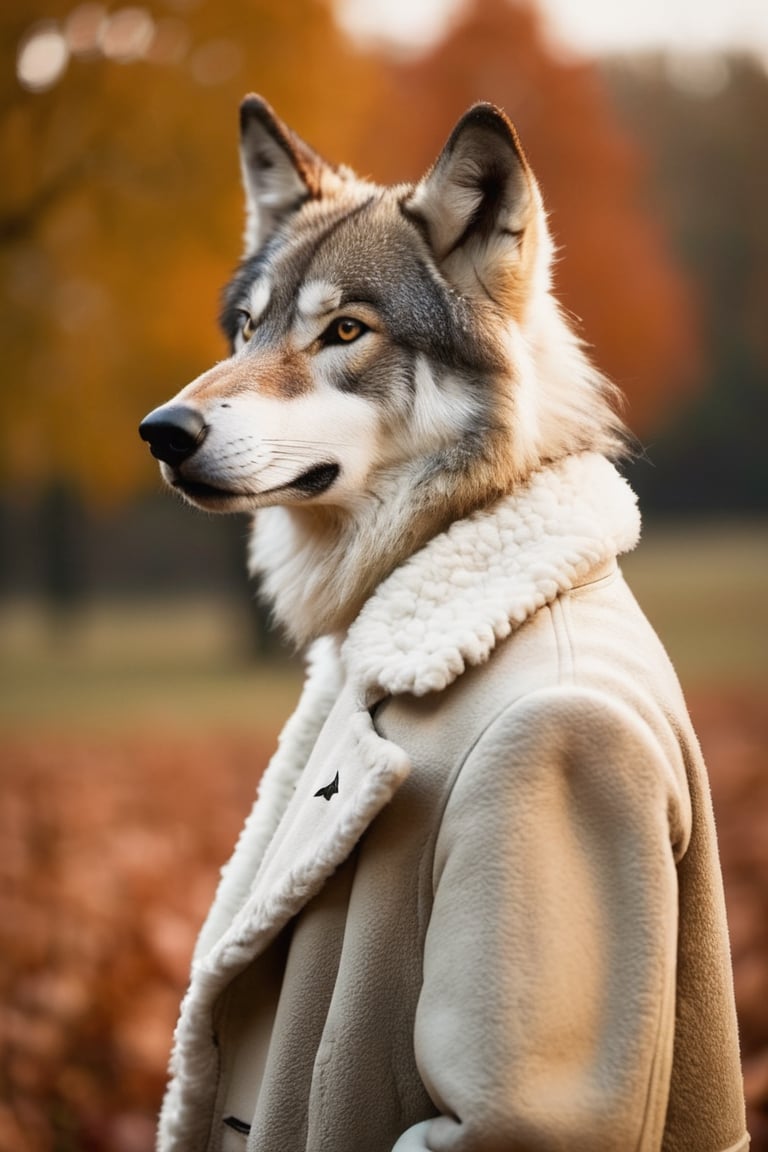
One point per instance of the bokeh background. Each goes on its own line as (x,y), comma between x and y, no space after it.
(141,688)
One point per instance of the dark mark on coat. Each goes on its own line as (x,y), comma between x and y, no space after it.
(330,789)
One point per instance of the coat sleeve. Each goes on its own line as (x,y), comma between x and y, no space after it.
(546,1016)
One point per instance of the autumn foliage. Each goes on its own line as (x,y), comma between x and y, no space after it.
(110,854)
(120,208)
(121,216)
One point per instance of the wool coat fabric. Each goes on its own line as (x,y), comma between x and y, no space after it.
(477,906)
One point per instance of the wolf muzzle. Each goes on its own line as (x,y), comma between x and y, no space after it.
(173,432)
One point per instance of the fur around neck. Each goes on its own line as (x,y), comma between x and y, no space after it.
(450,604)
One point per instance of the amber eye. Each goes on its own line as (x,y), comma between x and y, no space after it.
(247,326)
(345,330)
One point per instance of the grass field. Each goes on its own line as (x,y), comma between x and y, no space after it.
(704,588)
(147,664)
(186,663)
(132,737)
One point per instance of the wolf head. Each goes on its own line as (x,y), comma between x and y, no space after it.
(397,361)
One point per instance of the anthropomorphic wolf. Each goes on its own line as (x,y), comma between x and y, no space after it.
(477,906)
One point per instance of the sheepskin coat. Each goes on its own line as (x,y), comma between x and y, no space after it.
(477,906)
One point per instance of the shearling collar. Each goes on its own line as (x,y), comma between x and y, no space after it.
(468,588)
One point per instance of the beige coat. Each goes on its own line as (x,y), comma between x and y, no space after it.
(477,906)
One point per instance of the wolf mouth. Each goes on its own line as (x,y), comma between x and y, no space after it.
(313,482)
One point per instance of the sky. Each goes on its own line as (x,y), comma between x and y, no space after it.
(590,27)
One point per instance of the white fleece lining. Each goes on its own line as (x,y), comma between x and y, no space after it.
(443,609)
(321,687)
(295,878)
(467,589)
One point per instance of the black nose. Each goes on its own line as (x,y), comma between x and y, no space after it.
(173,432)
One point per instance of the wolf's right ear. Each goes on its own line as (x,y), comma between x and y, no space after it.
(280,171)
(480,209)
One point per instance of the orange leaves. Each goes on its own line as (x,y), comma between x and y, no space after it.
(121,214)
(120,211)
(110,848)
(110,856)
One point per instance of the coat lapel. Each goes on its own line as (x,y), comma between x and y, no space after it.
(349,777)
(321,686)
(329,777)
(298,834)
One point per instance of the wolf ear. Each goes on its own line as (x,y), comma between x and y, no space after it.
(479,205)
(280,171)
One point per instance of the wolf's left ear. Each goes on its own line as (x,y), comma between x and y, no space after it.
(479,205)
(280,171)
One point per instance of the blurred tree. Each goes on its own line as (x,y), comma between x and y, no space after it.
(702,121)
(615,270)
(120,208)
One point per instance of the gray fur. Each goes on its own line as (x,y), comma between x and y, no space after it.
(464,380)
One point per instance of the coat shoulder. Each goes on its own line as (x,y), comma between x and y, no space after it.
(593,641)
